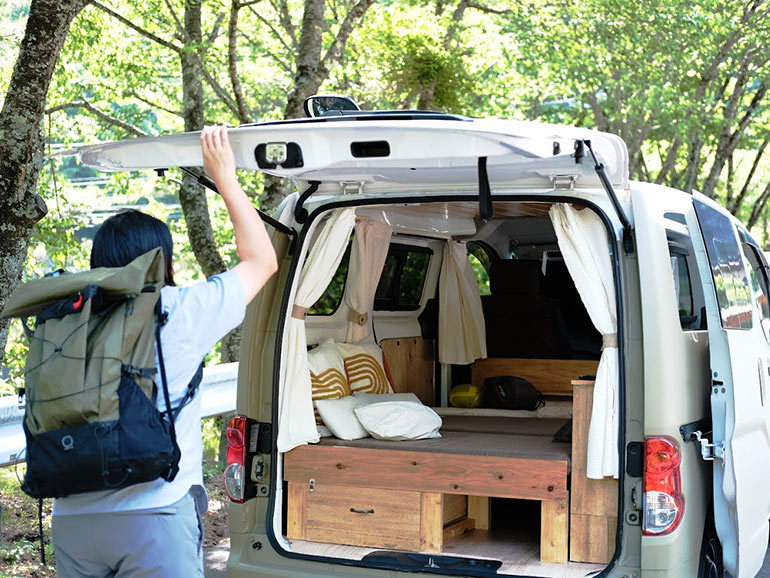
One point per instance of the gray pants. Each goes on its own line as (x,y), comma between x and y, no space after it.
(162,542)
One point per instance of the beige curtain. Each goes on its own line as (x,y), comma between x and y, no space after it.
(462,333)
(296,420)
(367,257)
(583,243)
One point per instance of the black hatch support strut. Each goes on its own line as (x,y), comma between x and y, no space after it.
(209,184)
(486,210)
(601,171)
(300,213)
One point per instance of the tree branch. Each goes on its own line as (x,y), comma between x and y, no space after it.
(232,63)
(148,102)
(275,32)
(738,201)
(144,32)
(99,114)
(486,9)
(352,18)
(217,25)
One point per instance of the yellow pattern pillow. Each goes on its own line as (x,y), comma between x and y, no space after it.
(365,368)
(327,374)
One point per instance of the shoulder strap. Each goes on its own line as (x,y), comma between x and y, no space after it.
(192,389)
(160,320)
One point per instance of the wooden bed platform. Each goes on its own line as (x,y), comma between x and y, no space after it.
(368,493)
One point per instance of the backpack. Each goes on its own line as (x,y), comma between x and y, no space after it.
(91,420)
(510,392)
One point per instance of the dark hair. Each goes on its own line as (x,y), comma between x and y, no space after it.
(129,234)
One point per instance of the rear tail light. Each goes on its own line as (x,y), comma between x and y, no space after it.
(234,478)
(663,499)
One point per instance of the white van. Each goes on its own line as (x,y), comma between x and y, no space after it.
(427,251)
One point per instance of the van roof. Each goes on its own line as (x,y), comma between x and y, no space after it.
(393,149)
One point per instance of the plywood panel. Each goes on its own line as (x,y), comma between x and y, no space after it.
(431,522)
(554,530)
(411,364)
(550,376)
(590,497)
(592,538)
(480,509)
(296,510)
(364,517)
(458,529)
(455,507)
(423,471)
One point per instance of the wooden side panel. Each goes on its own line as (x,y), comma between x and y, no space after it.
(590,497)
(364,517)
(422,471)
(554,529)
(480,510)
(592,538)
(296,511)
(412,366)
(431,522)
(455,507)
(550,376)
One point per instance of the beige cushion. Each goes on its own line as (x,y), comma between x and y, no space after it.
(364,368)
(327,374)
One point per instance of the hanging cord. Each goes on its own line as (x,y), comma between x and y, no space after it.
(40,529)
(161,319)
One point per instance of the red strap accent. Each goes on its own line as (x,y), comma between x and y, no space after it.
(79,303)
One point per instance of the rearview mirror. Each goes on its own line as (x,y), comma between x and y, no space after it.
(329,105)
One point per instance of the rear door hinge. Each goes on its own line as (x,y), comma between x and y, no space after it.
(708,450)
(563,182)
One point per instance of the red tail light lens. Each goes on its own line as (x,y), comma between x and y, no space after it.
(663,499)
(235,471)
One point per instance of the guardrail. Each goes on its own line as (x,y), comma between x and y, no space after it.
(217,391)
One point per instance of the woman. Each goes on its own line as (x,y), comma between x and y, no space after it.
(154,528)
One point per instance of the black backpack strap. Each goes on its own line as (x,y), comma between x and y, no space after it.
(161,319)
(192,389)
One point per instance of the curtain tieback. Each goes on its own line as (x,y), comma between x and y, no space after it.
(299,312)
(358,318)
(609,340)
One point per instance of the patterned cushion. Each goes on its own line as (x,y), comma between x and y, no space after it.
(327,374)
(365,368)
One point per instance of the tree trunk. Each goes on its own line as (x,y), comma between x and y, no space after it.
(192,196)
(20,137)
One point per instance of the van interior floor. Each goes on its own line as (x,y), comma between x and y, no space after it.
(518,551)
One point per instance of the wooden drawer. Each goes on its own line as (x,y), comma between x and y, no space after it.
(359,516)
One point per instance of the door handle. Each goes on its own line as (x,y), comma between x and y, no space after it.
(353,510)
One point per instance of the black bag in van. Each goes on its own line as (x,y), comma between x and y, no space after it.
(510,392)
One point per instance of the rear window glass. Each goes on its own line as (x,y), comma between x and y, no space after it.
(481,260)
(332,297)
(683,287)
(403,278)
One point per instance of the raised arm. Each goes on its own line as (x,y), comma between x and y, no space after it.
(256,253)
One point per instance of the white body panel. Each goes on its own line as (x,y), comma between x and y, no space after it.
(741,423)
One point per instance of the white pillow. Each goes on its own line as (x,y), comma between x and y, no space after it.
(327,374)
(338,416)
(323,431)
(399,420)
(370,398)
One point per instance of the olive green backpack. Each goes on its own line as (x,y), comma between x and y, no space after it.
(91,421)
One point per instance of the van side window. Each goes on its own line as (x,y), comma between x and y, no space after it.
(480,258)
(402,279)
(758,277)
(726,262)
(332,298)
(682,285)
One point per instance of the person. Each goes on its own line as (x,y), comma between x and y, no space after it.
(154,528)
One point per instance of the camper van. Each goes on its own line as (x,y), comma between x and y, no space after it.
(488,352)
